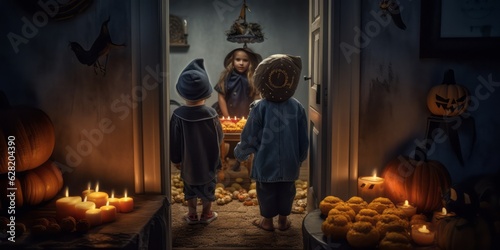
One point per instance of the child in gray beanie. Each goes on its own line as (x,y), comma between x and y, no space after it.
(276,133)
(195,138)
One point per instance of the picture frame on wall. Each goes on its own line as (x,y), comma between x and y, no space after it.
(460,29)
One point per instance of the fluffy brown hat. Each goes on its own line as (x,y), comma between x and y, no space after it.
(254,57)
(277,77)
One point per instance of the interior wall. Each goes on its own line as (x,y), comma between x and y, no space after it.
(395,82)
(285,30)
(91,111)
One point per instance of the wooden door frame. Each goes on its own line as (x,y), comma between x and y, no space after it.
(151,115)
(344,95)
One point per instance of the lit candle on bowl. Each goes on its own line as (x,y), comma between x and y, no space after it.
(409,209)
(114,201)
(422,234)
(108,213)
(126,204)
(86,192)
(82,207)
(65,206)
(99,198)
(94,216)
(439,215)
(370,187)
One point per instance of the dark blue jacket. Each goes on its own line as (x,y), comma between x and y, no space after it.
(276,133)
(195,138)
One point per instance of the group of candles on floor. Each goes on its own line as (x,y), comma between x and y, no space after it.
(370,187)
(423,234)
(93,205)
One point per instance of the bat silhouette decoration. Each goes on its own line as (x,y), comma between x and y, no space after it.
(100,48)
(391,7)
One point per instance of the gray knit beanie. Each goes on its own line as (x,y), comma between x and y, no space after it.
(193,83)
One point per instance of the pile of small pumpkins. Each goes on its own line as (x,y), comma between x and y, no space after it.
(225,194)
(27,139)
(380,224)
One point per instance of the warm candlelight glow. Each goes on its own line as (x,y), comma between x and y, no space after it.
(93,215)
(66,206)
(370,187)
(408,208)
(87,191)
(423,234)
(424,229)
(438,215)
(114,201)
(108,213)
(99,198)
(126,204)
(82,207)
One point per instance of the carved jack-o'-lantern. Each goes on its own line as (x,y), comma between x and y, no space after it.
(449,98)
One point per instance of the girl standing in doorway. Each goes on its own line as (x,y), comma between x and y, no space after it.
(235,85)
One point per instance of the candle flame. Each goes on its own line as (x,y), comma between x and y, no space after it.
(67,191)
(88,186)
(112,193)
(107,203)
(84,200)
(235,118)
(443,211)
(125,193)
(406,203)
(97,187)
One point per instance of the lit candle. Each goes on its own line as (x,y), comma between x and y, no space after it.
(99,198)
(65,206)
(408,208)
(114,201)
(108,213)
(126,204)
(422,234)
(94,216)
(370,187)
(439,215)
(86,192)
(82,207)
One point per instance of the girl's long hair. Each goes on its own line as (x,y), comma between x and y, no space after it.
(229,68)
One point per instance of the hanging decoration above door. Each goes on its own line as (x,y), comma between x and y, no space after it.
(243,32)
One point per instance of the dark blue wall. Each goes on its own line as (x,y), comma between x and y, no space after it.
(395,82)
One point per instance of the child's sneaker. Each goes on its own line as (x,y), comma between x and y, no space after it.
(191,218)
(207,219)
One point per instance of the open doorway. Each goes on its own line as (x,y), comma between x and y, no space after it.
(205,24)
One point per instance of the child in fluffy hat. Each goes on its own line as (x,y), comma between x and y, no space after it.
(195,138)
(276,133)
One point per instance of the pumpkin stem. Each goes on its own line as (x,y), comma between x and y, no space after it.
(4,101)
(449,77)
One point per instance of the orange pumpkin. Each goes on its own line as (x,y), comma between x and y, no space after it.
(420,181)
(459,233)
(449,98)
(32,132)
(33,186)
